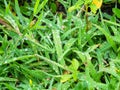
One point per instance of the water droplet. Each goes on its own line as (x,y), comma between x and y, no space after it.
(25,38)
(15,59)
(5,62)
(26,49)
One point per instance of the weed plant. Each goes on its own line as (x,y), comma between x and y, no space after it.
(43,49)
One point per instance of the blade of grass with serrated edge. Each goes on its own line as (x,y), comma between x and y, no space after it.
(108,37)
(58,45)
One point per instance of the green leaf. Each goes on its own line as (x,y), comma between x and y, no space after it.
(75,64)
(93,8)
(74,67)
(65,78)
(75,75)
(76,6)
(53,7)
(116,11)
(88,1)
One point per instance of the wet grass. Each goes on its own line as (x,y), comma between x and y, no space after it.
(42,50)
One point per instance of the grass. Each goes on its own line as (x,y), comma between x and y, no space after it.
(45,50)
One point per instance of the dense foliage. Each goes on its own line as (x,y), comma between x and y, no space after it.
(59,45)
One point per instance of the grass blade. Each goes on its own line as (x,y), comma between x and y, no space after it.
(18,12)
(58,45)
(7,79)
(36,7)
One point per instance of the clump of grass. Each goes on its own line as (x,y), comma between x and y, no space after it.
(43,50)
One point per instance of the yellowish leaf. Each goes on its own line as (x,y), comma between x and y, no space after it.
(32,23)
(30,81)
(97,3)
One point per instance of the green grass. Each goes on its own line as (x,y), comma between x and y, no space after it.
(45,50)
